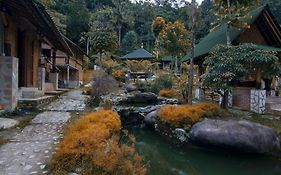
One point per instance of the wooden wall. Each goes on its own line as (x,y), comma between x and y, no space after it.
(252,35)
(22,41)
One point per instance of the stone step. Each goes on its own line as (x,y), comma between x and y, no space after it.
(30,92)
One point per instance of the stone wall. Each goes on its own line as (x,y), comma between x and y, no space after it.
(258,98)
(9,82)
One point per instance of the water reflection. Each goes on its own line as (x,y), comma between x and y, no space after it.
(166,159)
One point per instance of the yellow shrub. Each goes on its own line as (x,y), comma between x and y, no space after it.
(169,93)
(185,116)
(119,73)
(93,144)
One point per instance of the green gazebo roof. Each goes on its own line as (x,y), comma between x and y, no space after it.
(138,55)
(218,36)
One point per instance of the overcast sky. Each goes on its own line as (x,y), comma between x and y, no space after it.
(198,1)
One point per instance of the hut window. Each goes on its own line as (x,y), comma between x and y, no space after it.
(1,39)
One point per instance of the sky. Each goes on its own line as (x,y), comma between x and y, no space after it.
(198,1)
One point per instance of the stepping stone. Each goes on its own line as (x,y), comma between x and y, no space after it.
(6,123)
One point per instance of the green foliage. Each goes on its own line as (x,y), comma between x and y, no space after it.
(77,18)
(102,36)
(74,17)
(205,18)
(130,42)
(175,38)
(227,63)
(158,25)
(223,67)
(233,13)
(163,81)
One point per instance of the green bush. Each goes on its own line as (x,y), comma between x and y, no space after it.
(163,81)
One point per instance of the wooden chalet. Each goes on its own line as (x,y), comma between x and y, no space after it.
(264,33)
(26,27)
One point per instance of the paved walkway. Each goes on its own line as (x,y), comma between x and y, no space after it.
(30,151)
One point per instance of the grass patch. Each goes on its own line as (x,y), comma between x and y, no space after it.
(271,119)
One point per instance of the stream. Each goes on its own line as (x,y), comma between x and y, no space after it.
(167,159)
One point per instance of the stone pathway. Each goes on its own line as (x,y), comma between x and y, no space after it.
(30,151)
(71,101)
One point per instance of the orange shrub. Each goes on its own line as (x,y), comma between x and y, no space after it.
(119,73)
(185,116)
(93,145)
(169,93)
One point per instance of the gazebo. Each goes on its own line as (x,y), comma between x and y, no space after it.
(139,54)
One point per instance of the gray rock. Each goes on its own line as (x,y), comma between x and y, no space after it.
(130,88)
(129,116)
(181,134)
(6,123)
(242,135)
(146,97)
(151,118)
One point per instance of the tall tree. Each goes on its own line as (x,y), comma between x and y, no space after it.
(192,38)
(228,63)
(205,19)
(158,25)
(58,18)
(124,16)
(176,40)
(232,13)
(77,19)
(101,35)
(130,42)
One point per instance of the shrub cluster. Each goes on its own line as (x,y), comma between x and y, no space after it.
(169,93)
(119,75)
(163,81)
(94,145)
(184,116)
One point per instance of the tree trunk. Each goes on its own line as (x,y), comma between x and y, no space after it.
(191,71)
(119,34)
(258,78)
(224,103)
(88,45)
(176,65)
(228,40)
(157,48)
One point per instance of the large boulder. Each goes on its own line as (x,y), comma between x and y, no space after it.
(150,119)
(130,88)
(242,136)
(146,97)
(130,117)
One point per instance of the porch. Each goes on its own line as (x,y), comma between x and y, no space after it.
(68,76)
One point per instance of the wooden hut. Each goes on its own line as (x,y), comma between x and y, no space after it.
(264,32)
(24,26)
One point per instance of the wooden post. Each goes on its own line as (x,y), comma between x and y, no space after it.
(67,74)
(258,78)
(54,61)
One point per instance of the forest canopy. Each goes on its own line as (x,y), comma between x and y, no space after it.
(129,24)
